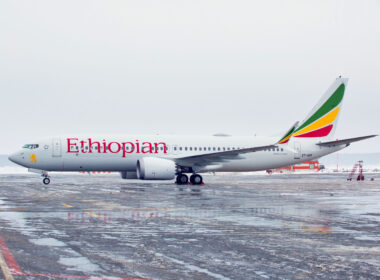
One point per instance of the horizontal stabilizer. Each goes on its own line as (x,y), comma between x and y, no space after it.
(344,141)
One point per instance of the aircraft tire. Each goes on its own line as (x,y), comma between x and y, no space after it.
(196,179)
(182,179)
(46,181)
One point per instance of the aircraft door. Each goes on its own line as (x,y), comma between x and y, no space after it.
(297,150)
(56,147)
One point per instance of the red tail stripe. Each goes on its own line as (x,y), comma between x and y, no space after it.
(322,132)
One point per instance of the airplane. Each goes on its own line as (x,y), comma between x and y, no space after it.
(165,157)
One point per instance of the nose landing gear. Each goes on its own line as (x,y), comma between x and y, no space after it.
(46,180)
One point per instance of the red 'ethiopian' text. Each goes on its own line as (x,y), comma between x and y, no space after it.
(75,145)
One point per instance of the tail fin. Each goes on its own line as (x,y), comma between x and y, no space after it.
(322,120)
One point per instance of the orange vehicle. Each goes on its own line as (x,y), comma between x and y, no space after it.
(304,166)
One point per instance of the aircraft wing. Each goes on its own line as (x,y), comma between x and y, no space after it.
(344,141)
(219,157)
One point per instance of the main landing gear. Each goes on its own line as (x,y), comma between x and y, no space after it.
(183,179)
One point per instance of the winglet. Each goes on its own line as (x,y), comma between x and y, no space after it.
(285,139)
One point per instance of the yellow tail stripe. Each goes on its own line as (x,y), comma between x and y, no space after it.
(326,120)
(286,139)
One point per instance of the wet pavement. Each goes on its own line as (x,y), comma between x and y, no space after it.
(234,227)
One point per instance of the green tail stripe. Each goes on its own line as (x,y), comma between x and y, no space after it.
(330,104)
(287,134)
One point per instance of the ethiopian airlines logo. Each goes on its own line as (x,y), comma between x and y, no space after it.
(33,158)
(75,145)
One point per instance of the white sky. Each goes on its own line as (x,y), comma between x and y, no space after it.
(184,67)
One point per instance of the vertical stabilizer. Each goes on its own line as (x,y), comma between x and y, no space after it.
(322,120)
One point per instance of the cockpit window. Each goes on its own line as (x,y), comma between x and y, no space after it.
(30,146)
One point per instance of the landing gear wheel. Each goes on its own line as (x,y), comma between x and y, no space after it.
(46,181)
(182,179)
(196,179)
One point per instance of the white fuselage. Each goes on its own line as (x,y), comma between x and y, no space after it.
(56,155)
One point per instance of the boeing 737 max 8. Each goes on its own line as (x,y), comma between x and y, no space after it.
(159,157)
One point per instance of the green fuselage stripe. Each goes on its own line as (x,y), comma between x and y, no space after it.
(330,104)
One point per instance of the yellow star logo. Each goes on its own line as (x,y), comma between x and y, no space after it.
(33,158)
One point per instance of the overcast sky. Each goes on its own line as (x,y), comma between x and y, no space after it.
(184,67)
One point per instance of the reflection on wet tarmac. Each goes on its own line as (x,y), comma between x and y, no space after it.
(233,227)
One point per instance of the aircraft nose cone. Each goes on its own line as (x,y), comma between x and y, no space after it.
(12,158)
(16,157)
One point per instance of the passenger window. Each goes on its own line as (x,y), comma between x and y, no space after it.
(195,148)
(191,148)
(175,148)
(185,148)
(218,148)
(180,148)
(214,149)
(209,148)
(228,148)
(224,148)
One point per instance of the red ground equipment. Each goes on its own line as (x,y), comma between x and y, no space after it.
(359,166)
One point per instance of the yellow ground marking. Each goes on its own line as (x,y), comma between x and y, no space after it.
(317,229)
(14,209)
(4,267)
(67,205)
(93,215)
(33,158)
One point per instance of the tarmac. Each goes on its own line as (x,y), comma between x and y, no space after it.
(316,226)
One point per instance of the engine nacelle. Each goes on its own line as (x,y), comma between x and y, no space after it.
(150,168)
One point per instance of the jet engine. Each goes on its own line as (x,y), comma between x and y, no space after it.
(150,168)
